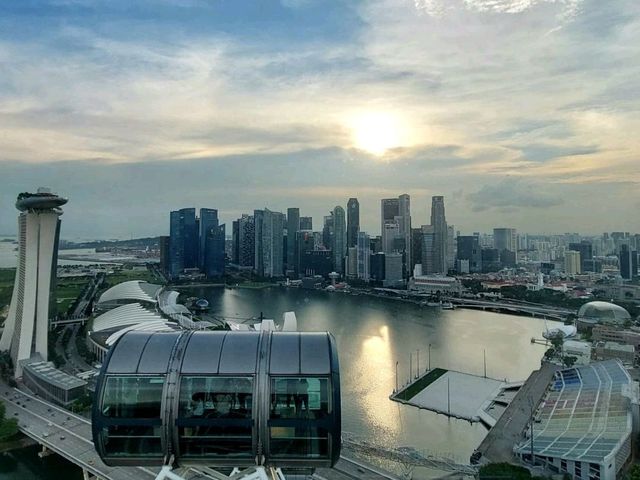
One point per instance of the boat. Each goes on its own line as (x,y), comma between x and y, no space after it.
(447,306)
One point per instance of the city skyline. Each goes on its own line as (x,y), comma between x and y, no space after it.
(300,103)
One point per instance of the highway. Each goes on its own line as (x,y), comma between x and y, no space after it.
(64,433)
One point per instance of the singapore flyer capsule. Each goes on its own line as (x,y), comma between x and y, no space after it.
(219,398)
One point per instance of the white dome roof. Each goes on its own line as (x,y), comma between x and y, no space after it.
(603,312)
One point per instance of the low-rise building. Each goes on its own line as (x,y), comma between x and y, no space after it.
(435,285)
(578,349)
(52,384)
(612,350)
(608,333)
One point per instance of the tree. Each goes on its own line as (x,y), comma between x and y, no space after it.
(8,427)
(634,473)
(569,361)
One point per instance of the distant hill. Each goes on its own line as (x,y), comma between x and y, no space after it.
(151,242)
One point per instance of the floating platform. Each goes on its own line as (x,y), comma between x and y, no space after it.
(459,395)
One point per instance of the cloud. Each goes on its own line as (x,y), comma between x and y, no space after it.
(512,194)
(251,104)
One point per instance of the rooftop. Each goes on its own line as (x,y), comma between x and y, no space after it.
(132,290)
(585,415)
(53,376)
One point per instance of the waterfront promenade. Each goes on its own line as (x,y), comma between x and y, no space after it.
(498,445)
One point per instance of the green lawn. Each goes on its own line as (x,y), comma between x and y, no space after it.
(125,275)
(421,384)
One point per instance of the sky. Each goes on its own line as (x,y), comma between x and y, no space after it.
(522,113)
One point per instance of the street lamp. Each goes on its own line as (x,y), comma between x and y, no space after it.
(429,366)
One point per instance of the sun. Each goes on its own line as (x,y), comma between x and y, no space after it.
(376,132)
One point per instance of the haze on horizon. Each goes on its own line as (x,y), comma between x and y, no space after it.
(523,113)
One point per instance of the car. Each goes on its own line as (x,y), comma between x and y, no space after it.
(16,414)
(45,434)
(49,424)
(62,437)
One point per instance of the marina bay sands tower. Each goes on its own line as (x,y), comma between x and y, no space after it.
(26,327)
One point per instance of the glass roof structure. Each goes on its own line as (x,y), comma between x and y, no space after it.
(603,312)
(136,290)
(585,415)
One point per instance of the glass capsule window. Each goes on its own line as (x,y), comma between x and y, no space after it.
(132,408)
(298,425)
(215,416)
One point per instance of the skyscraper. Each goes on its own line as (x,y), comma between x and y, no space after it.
(505,239)
(208,220)
(353,222)
(363,256)
(586,254)
(246,241)
(213,266)
(306,223)
(183,241)
(404,221)
(571,262)
(26,327)
(305,242)
(440,236)
(293,225)
(626,262)
(339,246)
(327,231)
(395,227)
(469,249)
(269,235)
(428,250)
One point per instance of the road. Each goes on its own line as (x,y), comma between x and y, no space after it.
(498,445)
(64,433)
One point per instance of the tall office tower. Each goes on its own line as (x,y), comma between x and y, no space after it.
(306,223)
(393,274)
(626,262)
(183,242)
(389,213)
(353,222)
(235,242)
(164,253)
(208,220)
(586,254)
(213,266)
(395,227)
(440,235)
(351,262)
(269,235)
(390,237)
(363,256)
(376,267)
(506,239)
(469,249)
(305,242)
(26,327)
(404,221)
(327,231)
(416,247)
(451,247)
(572,262)
(293,225)
(246,240)
(339,246)
(428,250)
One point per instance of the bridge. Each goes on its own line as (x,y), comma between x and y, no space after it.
(69,435)
(536,310)
(72,320)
